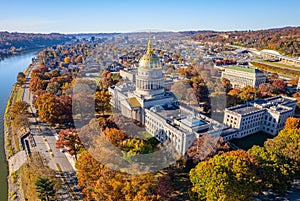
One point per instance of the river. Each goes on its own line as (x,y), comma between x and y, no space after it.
(9,69)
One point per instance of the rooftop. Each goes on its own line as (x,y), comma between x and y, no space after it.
(244,109)
(277,103)
(133,102)
(179,119)
(192,121)
(249,70)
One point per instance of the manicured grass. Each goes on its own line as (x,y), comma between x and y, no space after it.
(254,139)
(19,94)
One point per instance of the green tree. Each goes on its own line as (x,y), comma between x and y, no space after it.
(137,146)
(286,145)
(230,176)
(45,189)
(276,173)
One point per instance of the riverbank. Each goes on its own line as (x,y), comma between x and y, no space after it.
(18,53)
(13,151)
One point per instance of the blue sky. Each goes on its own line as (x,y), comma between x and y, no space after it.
(71,16)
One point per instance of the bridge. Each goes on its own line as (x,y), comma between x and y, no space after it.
(271,54)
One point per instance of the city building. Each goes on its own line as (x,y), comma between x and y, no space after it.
(242,76)
(128,74)
(147,101)
(267,115)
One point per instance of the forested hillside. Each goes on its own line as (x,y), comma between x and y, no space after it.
(285,40)
(12,43)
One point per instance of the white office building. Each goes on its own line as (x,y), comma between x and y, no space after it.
(242,76)
(267,115)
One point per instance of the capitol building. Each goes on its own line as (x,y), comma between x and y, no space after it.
(145,100)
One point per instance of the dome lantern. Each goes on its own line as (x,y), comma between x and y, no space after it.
(149,60)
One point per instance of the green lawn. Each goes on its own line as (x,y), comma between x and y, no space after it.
(254,139)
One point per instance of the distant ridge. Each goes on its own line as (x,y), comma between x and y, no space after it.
(284,40)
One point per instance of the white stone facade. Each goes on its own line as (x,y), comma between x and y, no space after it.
(147,102)
(241,76)
(267,115)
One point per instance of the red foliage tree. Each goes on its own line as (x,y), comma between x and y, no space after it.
(69,139)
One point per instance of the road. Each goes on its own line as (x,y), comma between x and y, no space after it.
(45,139)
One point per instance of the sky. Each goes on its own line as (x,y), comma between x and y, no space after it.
(96,16)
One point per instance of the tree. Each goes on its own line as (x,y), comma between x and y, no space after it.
(83,104)
(69,139)
(180,89)
(115,136)
(101,183)
(227,85)
(20,121)
(200,89)
(137,146)
(292,123)
(294,81)
(38,71)
(273,76)
(88,172)
(19,108)
(36,84)
(266,89)
(79,59)
(276,173)
(286,145)
(205,147)
(102,101)
(20,116)
(233,97)
(249,93)
(230,176)
(280,86)
(45,189)
(21,78)
(53,109)
(53,87)
(140,187)
(164,188)
(106,79)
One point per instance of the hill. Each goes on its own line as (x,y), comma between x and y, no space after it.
(284,40)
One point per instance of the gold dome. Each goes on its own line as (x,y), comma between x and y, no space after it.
(149,60)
